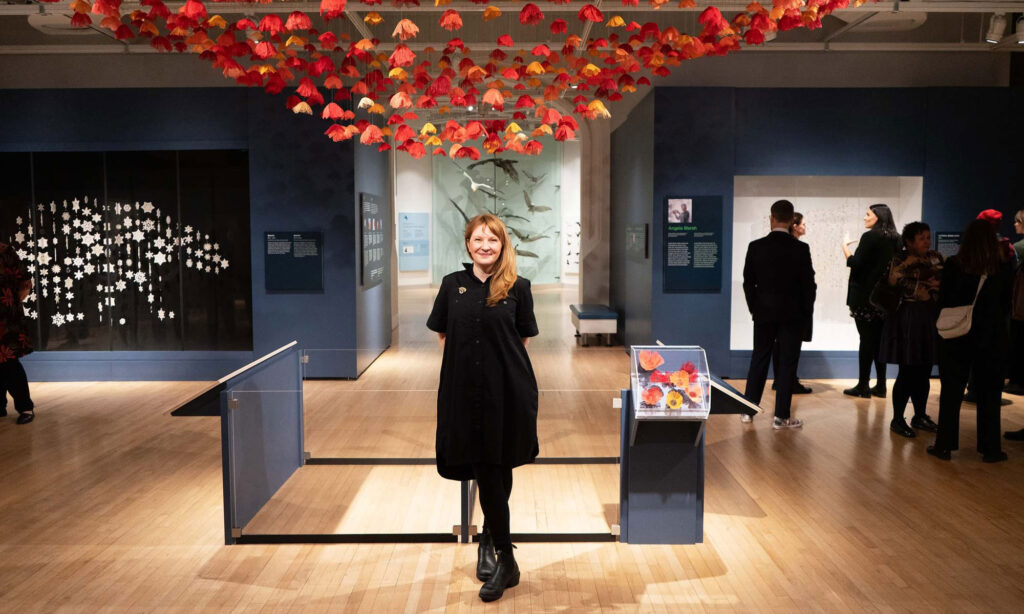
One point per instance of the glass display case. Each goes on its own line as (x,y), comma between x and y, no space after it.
(670,382)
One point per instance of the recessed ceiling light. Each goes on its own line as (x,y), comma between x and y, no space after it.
(469,108)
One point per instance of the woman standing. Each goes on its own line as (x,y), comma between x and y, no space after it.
(487,399)
(867,265)
(909,338)
(1016,368)
(980,274)
(798,229)
(15,286)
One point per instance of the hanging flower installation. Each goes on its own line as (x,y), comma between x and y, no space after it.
(390,79)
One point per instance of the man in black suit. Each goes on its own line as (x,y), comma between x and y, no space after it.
(778,282)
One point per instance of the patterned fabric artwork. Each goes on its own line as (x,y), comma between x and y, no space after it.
(112,274)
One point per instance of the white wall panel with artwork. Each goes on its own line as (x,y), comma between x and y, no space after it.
(524,191)
(834,209)
(413,195)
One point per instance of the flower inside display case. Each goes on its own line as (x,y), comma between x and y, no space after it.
(670,382)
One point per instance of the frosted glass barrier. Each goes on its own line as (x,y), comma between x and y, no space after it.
(833,209)
(396,417)
(524,191)
(670,382)
(264,447)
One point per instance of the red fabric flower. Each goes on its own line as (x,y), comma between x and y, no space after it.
(559,26)
(402,56)
(193,9)
(264,50)
(272,24)
(416,150)
(530,15)
(591,13)
(332,8)
(298,21)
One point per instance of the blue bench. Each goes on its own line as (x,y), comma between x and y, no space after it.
(594,319)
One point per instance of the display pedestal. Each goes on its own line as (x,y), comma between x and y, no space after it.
(661,499)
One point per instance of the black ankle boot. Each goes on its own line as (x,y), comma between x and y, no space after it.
(485,561)
(506,575)
(900,427)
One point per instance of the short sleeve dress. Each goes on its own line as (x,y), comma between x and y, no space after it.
(487,398)
(14,334)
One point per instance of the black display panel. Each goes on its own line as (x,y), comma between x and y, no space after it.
(216,276)
(142,217)
(138,250)
(68,239)
(293,261)
(16,214)
(692,244)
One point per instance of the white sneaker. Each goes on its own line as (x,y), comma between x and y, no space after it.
(791,423)
(746,418)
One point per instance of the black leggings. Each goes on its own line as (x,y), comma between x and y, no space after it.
(494,483)
(912,383)
(14,381)
(870,340)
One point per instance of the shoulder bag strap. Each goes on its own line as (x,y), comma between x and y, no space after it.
(978,291)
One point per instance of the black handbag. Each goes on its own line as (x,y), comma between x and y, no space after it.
(885,297)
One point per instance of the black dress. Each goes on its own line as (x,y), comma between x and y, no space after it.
(909,337)
(487,398)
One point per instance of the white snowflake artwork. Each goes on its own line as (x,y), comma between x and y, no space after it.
(70,243)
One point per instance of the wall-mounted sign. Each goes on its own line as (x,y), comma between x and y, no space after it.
(947,243)
(294,261)
(693,244)
(636,242)
(373,248)
(413,241)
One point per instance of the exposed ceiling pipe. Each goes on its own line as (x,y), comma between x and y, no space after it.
(843,30)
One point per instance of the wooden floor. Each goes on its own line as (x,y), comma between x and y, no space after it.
(109,504)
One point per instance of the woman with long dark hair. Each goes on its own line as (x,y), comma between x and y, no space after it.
(487,398)
(978,273)
(909,338)
(867,265)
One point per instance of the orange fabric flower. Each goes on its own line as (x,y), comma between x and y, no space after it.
(652,395)
(650,360)
(405,30)
(451,20)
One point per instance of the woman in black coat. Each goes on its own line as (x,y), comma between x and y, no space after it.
(867,265)
(983,349)
(487,399)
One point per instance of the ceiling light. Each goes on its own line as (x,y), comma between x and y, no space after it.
(996,28)
(469,108)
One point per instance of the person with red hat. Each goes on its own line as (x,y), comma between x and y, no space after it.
(1009,256)
(995,218)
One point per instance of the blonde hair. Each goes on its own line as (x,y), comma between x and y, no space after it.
(504,275)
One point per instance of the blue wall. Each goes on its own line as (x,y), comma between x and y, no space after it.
(373,305)
(631,190)
(705,136)
(298,179)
